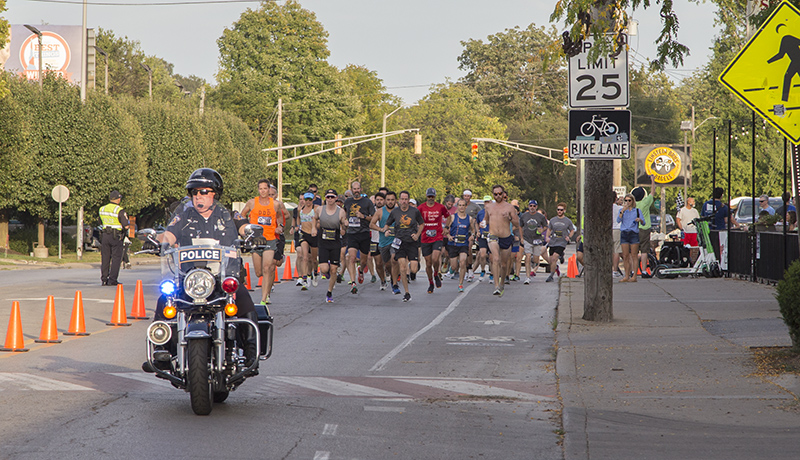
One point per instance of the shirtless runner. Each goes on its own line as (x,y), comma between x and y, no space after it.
(500,216)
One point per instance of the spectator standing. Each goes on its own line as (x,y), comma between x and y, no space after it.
(114,220)
(630,219)
(715,207)
(644,201)
(684,222)
(763,204)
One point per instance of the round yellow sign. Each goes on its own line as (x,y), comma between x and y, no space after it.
(664,164)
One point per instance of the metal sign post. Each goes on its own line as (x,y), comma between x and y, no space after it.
(60,194)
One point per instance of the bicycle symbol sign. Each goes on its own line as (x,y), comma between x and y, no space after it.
(599,134)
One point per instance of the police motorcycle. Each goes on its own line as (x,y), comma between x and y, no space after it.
(206,355)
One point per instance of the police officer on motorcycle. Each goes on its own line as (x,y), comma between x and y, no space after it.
(205,217)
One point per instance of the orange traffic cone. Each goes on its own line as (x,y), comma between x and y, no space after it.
(276,279)
(118,315)
(77,324)
(137,308)
(287,269)
(49,333)
(247,278)
(14,340)
(295,272)
(260,281)
(292,249)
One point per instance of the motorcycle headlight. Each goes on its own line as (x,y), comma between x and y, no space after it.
(159,332)
(199,284)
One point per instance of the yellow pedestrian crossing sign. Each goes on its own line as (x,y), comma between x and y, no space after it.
(765,74)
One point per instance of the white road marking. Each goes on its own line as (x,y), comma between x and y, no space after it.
(36,382)
(330,429)
(141,377)
(335,387)
(384,409)
(476,389)
(321,455)
(493,322)
(385,360)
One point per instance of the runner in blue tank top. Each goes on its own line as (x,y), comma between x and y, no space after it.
(462,234)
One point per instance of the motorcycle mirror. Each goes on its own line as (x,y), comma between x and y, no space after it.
(146,233)
(253,230)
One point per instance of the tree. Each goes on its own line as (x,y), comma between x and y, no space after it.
(509,71)
(606,21)
(280,51)
(5,28)
(448,118)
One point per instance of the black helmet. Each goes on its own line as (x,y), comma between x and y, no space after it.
(205,177)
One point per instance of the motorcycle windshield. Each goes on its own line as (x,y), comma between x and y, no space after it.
(222,261)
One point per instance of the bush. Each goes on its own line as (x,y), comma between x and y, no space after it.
(788,295)
(23,240)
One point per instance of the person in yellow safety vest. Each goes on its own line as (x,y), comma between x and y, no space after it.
(114,222)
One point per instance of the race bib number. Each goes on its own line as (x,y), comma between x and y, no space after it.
(460,239)
(264,220)
(492,238)
(483,224)
(354,222)
(328,234)
(396,243)
(430,233)
(373,247)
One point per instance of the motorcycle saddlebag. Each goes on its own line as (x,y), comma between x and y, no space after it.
(264,325)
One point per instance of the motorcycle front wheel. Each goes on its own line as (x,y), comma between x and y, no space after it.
(199,383)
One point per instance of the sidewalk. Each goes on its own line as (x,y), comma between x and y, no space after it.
(672,376)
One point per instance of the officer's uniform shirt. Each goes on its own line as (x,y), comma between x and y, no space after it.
(187,224)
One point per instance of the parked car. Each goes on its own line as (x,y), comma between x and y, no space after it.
(655,222)
(743,208)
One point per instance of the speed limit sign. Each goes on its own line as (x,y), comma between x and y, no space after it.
(602,82)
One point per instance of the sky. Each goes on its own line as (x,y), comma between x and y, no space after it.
(411,44)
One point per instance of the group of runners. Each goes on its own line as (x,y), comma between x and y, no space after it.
(385,235)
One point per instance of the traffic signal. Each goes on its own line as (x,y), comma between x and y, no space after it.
(566,156)
(474,151)
(418,144)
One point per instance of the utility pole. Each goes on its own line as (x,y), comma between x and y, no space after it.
(84,57)
(280,150)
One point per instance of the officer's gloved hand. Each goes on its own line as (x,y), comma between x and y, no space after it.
(149,246)
(259,241)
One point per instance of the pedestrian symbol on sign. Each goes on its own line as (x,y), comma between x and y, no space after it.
(790,46)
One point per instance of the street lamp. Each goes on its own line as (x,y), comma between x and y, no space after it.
(383,143)
(105,55)
(39,34)
(150,73)
(694,128)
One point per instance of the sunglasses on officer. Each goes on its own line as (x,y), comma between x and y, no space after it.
(195,192)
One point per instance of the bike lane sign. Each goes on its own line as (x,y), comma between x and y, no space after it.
(599,134)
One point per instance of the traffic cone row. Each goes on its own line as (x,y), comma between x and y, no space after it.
(572,267)
(15,341)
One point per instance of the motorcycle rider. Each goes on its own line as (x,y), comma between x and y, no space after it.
(205,217)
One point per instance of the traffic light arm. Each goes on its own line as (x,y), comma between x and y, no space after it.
(519,146)
(351,141)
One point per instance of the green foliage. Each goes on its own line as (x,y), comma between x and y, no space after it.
(280,51)
(447,118)
(788,295)
(5,28)
(527,95)
(23,240)
(606,21)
